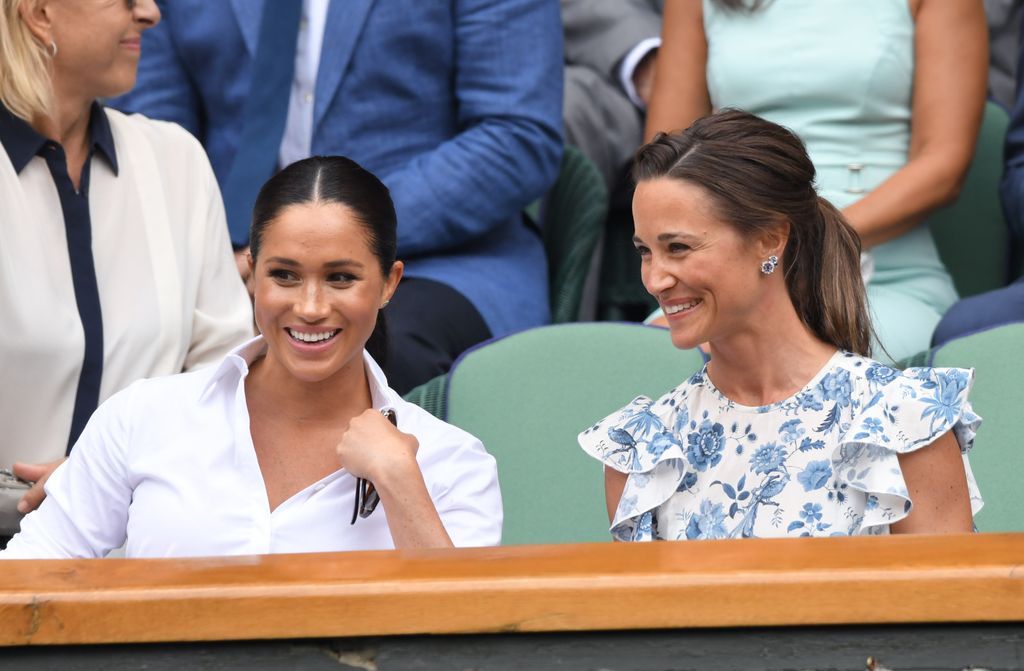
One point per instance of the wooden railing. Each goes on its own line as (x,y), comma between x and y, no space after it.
(918,579)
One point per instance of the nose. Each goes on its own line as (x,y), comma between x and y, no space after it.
(146,13)
(656,277)
(311,306)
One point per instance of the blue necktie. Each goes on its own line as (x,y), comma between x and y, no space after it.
(266,110)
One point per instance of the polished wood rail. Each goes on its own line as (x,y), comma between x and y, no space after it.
(738,583)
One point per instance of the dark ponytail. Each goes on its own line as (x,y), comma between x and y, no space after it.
(758,175)
(335,179)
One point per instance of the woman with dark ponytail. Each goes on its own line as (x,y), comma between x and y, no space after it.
(789,430)
(286,446)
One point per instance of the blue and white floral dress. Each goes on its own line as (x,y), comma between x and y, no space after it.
(820,463)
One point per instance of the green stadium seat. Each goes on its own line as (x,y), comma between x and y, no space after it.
(574,214)
(528,395)
(997,356)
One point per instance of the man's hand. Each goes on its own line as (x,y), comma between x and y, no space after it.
(37,474)
(242,261)
(643,76)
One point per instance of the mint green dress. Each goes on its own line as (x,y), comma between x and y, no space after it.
(840,74)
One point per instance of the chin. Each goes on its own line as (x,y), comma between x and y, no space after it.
(685,340)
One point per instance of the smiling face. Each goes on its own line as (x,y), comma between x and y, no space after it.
(705,275)
(98,42)
(317,287)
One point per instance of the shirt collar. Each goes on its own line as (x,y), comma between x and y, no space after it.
(22,142)
(235,366)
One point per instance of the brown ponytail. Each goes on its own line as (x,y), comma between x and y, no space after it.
(825,284)
(758,174)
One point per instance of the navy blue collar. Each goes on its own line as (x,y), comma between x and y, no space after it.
(22,142)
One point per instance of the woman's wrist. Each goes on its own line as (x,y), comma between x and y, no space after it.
(391,474)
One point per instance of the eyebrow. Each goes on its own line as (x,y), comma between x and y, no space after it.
(339,263)
(665,237)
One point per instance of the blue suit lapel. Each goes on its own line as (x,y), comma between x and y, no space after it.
(248,14)
(345,20)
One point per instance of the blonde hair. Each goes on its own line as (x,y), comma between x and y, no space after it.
(25,83)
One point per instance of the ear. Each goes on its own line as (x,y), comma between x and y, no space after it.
(392,280)
(36,16)
(772,241)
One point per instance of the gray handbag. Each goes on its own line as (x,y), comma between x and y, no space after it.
(11,491)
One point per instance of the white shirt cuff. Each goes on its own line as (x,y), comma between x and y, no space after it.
(628,66)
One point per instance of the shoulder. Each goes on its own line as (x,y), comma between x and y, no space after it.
(437,437)
(163,136)
(871,377)
(166,392)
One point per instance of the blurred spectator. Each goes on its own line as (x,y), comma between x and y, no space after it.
(611,51)
(114,261)
(451,104)
(888,98)
(1006,305)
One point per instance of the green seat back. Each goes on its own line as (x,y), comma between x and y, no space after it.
(997,355)
(971,234)
(528,396)
(574,213)
(430,395)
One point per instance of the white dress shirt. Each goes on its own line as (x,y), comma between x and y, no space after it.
(169,463)
(297,141)
(169,290)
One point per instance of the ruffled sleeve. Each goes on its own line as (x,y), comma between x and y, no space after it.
(638,440)
(903,413)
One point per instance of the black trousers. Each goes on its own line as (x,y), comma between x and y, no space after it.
(428,325)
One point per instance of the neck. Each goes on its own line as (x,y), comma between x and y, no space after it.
(770,362)
(69,128)
(344,395)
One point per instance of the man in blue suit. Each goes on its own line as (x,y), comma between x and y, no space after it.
(456,106)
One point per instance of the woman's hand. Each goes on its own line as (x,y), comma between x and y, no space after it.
(373,449)
(37,474)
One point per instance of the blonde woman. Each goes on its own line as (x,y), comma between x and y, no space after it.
(114,261)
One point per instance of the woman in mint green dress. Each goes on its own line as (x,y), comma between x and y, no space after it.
(886,94)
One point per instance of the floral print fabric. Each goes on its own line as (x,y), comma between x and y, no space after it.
(820,463)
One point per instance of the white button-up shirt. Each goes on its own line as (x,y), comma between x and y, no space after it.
(169,465)
(297,141)
(168,286)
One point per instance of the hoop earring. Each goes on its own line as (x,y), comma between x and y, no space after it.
(53,49)
(768,267)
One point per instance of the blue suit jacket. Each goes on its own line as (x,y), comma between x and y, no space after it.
(455,105)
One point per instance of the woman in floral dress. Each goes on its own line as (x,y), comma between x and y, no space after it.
(789,430)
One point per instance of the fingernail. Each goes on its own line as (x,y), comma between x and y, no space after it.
(22,507)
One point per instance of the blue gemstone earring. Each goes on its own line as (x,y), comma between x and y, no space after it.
(768,267)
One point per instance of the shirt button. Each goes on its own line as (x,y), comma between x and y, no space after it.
(319,487)
(308,98)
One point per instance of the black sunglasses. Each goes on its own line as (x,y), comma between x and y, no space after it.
(366,494)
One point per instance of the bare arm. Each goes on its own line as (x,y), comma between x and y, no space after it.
(374,449)
(951,61)
(680,92)
(938,487)
(614,483)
